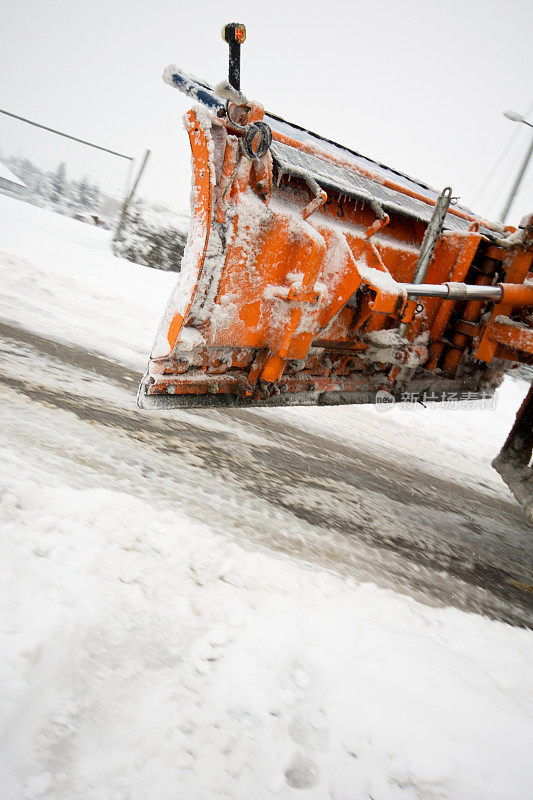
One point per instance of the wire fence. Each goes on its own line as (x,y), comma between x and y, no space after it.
(56,169)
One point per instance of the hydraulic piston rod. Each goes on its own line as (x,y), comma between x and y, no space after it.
(515,294)
(454,291)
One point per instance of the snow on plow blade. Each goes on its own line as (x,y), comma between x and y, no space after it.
(313,275)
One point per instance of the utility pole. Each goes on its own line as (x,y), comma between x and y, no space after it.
(512,115)
(129,198)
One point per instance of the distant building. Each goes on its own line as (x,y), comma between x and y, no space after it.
(10,184)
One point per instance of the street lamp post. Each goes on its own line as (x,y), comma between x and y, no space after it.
(512,115)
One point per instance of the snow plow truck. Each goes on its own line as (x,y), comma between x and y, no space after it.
(313,275)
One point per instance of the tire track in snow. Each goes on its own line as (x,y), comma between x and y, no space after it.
(358,513)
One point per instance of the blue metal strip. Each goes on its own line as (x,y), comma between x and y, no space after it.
(192,88)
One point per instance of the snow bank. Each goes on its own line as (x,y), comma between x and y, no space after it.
(146,657)
(58,278)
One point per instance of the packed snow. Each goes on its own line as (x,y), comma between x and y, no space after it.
(145,657)
(147,654)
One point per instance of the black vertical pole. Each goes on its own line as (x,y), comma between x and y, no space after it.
(234,34)
(234,69)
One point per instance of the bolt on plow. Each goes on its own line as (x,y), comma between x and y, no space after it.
(313,275)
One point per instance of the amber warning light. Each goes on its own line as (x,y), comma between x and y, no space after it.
(234,33)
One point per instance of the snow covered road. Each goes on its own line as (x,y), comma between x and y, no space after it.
(239,603)
(334,506)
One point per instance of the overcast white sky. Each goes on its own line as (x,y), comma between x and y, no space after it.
(418,84)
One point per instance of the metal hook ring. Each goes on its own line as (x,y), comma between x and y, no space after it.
(256,140)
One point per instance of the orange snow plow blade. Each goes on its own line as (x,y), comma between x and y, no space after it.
(306,279)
